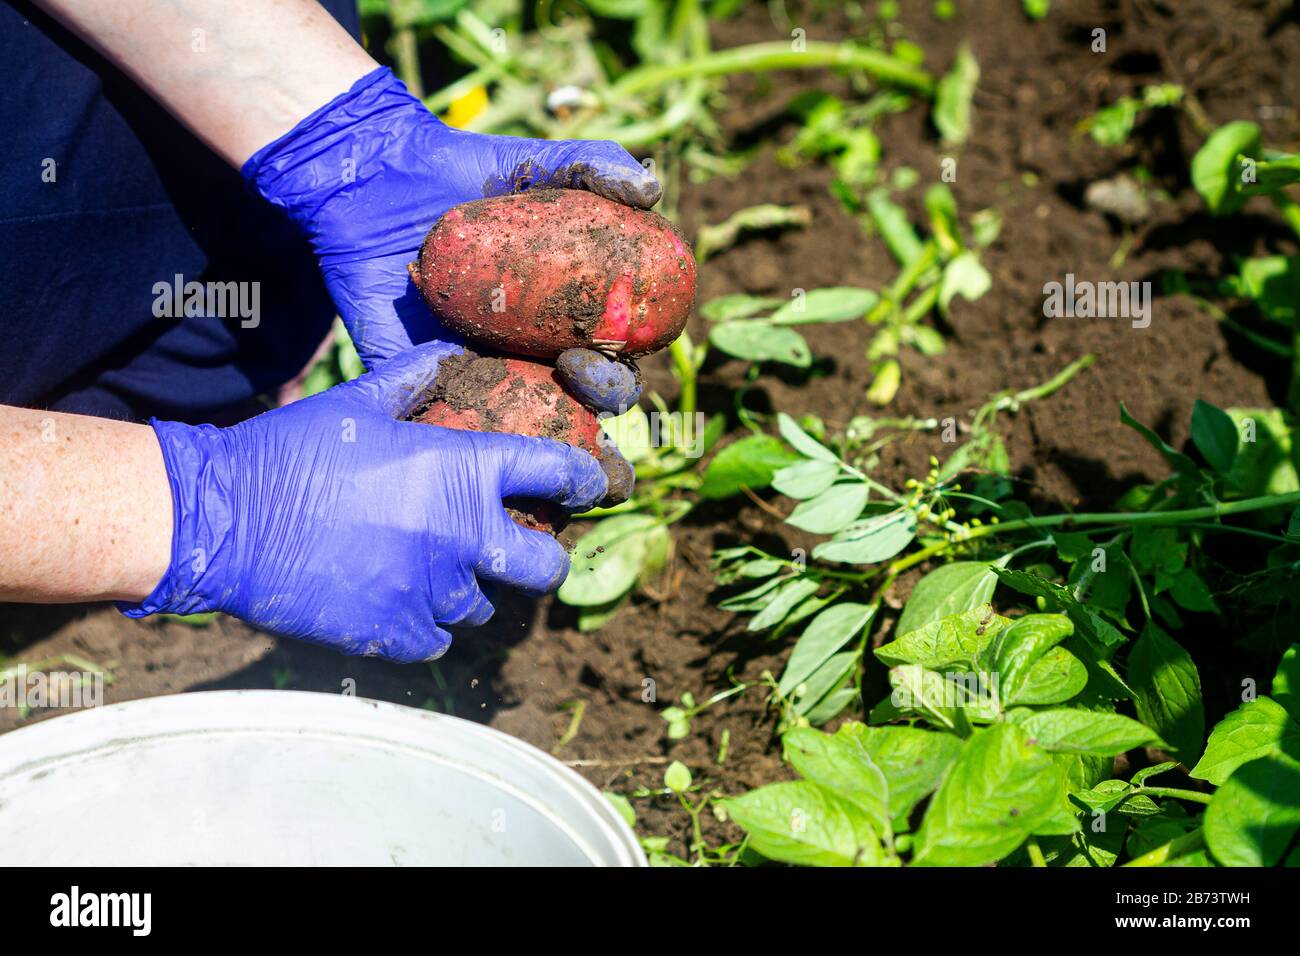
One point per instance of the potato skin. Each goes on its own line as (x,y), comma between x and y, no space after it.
(523,397)
(539,272)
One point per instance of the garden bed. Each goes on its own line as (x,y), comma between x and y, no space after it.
(583,696)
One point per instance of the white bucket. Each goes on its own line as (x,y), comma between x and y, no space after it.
(283,778)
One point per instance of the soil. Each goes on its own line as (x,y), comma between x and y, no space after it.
(525,672)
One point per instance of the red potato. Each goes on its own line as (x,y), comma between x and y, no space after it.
(540,272)
(494,394)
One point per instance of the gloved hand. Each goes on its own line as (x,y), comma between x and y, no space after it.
(368,174)
(331,521)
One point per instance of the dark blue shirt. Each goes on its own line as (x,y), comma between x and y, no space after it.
(104,200)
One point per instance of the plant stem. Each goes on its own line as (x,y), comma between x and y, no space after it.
(762,57)
(1187,843)
(1134,518)
(443,98)
(1290,210)
(406,54)
(1035,852)
(1042,390)
(1255,338)
(1194,796)
(1057,381)
(684,369)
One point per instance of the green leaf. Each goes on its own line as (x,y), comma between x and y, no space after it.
(935,697)
(1146,773)
(1215,435)
(1190,591)
(1273,172)
(1089,624)
(830,705)
(1117,796)
(607,560)
(1258,728)
(998,792)
(1112,125)
(806,479)
(1272,283)
(831,677)
(748,463)
(801,441)
(677,777)
(757,341)
(963,276)
(926,340)
(1286,682)
(630,432)
(870,540)
(726,308)
(804,824)
(892,222)
(1087,731)
(1037,9)
(955,639)
(1167,691)
(941,205)
(951,589)
(782,602)
(886,377)
(594,618)
(1157,551)
(1053,679)
(837,304)
(827,633)
(952,97)
(1216,169)
(623,805)
(1254,816)
(754,599)
(1016,649)
(1086,848)
(1180,462)
(1264,464)
(832,510)
(839,763)
(913,760)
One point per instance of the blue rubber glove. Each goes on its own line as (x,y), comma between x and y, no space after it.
(332,521)
(367,175)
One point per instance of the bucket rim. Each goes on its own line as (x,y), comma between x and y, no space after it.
(39,748)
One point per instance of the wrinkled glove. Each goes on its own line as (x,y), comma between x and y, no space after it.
(332,521)
(367,175)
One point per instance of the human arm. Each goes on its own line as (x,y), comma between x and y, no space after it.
(360,165)
(333,519)
(238,74)
(85,509)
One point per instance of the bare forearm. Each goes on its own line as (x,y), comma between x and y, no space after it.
(239,73)
(85,508)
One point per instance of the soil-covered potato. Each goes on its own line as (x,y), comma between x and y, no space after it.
(523,397)
(540,272)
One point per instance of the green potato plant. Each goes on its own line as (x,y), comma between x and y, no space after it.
(997,745)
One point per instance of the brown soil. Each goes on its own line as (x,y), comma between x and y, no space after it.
(522,673)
